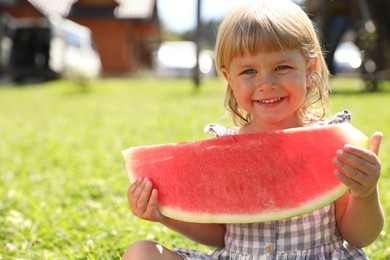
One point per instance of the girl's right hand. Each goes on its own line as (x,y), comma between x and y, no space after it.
(143,200)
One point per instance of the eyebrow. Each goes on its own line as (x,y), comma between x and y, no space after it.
(277,61)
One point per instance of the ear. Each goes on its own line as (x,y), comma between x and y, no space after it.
(225,74)
(310,69)
(309,80)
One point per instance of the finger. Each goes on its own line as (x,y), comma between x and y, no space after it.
(152,205)
(144,196)
(358,152)
(138,188)
(351,172)
(133,192)
(134,185)
(375,142)
(347,181)
(349,162)
(356,189)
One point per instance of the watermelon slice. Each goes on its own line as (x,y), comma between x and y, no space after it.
(245,178)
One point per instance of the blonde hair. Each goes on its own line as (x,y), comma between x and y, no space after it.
(266,26)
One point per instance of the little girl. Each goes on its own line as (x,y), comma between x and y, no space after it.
(276,76)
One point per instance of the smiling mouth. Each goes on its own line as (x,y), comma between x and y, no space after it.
(269,101)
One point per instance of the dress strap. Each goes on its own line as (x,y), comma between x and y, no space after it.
(340,117)
(218,130)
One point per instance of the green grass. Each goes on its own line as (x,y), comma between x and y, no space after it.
(62,179)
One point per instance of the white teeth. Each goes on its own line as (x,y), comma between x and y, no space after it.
(270,101)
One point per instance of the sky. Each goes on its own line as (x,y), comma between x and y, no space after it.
(180,15)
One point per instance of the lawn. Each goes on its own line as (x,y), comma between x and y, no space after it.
(62,179)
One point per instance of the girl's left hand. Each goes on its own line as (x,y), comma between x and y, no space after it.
(359,168)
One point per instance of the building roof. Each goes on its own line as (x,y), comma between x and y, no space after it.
(49,7)
(135,9)
(127,9)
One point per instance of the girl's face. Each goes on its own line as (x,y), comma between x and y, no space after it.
(271,87)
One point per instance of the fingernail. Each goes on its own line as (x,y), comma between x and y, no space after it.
(335,160)
(347,146)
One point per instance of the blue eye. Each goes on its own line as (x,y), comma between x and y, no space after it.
(249,71)
(282,67)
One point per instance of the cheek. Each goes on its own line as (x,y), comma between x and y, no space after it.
(240,93)
(240,89)
(244,97)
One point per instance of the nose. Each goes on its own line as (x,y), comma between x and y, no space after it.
(265,82)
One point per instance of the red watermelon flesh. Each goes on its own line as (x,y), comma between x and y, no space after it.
(245,178)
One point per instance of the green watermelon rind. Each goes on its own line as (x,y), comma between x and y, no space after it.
(200,217)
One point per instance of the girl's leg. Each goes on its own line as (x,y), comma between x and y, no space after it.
(149,250)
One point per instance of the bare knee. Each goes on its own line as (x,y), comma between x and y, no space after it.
(149,250)
(139,250)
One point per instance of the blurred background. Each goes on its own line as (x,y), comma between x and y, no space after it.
(87,39)
(81,80)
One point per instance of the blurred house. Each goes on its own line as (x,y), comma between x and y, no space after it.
(126,32)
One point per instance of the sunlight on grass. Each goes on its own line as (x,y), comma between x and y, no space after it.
(62,177)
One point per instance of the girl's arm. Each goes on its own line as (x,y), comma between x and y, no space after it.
(143,203)
(359,213)
(206,234)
